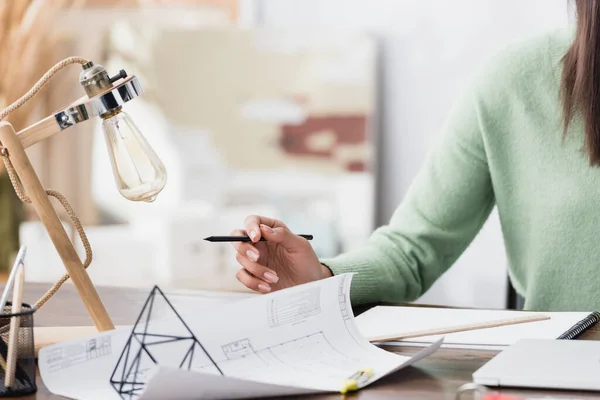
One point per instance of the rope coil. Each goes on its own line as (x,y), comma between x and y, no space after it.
(18,186)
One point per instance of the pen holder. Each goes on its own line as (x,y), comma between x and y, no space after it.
(17,364)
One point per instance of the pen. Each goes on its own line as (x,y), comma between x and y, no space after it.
(11,278)
(243,238)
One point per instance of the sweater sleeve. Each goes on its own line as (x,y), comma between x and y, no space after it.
(444,209)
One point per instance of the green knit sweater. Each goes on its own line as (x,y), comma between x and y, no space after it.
(502,146)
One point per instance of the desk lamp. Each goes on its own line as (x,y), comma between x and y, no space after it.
(138,172)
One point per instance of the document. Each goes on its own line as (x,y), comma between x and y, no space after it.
(390,320)
(299,340)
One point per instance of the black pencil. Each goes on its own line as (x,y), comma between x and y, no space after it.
(243,238)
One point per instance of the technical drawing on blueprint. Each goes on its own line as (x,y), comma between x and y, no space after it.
(301,338)
(304,336)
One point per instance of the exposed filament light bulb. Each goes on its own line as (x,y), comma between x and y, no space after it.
(138,171)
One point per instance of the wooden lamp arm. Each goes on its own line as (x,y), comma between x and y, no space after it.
(83,109)
(39,131)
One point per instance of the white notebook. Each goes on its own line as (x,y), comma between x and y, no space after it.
(391,320)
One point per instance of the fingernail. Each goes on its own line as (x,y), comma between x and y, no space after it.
(271,277)
(263,287)
(268,229)
(252,234)
(253,255)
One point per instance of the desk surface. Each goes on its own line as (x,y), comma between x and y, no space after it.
(438,376)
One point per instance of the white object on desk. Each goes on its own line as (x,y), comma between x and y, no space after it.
(120,256)
(389,320)
(180,252)
(296,340)
(544,364)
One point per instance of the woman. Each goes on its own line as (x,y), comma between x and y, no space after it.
(526,138)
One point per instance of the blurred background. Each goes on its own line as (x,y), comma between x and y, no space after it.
(316,112)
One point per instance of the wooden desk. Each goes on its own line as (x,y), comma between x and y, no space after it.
(436,377)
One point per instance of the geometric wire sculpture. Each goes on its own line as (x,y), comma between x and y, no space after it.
(156,343)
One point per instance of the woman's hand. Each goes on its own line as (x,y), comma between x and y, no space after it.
(283,260)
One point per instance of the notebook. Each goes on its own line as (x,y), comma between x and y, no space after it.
(390,320)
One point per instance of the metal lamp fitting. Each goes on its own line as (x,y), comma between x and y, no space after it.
(95,80)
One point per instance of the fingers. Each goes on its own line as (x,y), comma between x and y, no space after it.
(252,224)
(252,282)
(257,276)
(249,251)
(259,271)
(245,248)
(283,236)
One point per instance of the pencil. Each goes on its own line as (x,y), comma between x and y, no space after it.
(3,364)
(11,278)
(243,238)
(13,336)
(459,328)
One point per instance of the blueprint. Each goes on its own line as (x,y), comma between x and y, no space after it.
(299,340)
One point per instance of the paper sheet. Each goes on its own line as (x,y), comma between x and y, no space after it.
(301,339)
(190,385)
(170,383)
(384,320)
